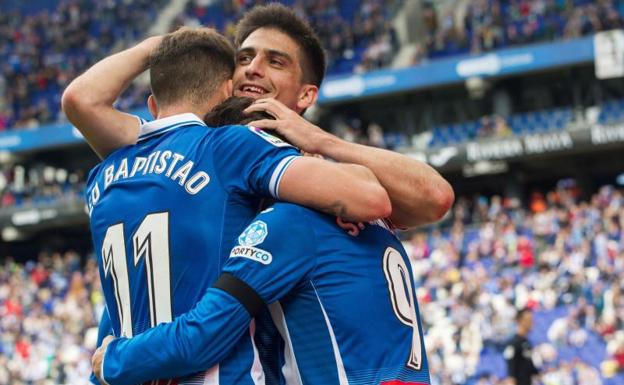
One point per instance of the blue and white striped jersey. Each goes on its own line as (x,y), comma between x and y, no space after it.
(165,212)
(346,307)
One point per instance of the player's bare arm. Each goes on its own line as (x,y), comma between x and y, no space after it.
(88,100)
(419,195)
(349,191)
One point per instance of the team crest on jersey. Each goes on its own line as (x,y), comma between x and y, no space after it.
(274,140)
(254,234)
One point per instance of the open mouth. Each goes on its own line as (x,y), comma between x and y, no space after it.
(251,91)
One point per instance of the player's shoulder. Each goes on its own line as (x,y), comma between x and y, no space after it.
(93,174)
(291,213)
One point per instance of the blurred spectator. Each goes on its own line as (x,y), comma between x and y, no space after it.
(519,352)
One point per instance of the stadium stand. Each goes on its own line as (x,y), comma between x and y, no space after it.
(49,309)
(477,26)
(500,127)
(559,255)
(39,185)
(45,45)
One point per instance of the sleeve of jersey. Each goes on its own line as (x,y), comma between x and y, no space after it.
(275,253)
(250,160)
(104,329)
(191,343)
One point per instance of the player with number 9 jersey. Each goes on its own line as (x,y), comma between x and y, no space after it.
(165,212)
(344,305)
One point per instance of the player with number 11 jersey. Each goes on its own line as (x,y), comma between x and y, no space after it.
(164,214)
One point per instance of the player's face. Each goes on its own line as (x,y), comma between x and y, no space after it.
(268,66)
(527,321)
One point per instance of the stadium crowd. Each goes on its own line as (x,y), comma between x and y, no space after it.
(558,255)
(42,50)
(48,319)
(477,26)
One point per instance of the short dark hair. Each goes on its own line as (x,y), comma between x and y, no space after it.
(522,312)
(278,16)
(230,111)
(190,64)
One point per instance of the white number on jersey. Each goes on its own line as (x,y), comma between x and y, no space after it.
(403,302)
(151,241)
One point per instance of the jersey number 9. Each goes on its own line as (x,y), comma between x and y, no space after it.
(403,301)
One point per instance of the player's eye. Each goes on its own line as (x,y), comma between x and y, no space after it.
(244,59)
(277,63)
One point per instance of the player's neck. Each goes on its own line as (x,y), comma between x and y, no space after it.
(178,109)
(167,112)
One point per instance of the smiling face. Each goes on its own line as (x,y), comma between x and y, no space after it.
(268,65)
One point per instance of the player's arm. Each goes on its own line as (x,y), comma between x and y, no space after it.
(104,329)
(419,195)
(254,162)
(348,191)
(202,337)
(193,342)
(88,100)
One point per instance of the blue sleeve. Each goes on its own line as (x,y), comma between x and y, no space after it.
(250,160)
(104,329)
(276,252)
(191,343)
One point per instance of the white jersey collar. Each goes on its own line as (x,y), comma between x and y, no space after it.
(160,126)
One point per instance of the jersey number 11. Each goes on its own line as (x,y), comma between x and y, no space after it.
(149,241)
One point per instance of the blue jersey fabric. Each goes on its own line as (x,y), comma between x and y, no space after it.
(165,212)
(345,306)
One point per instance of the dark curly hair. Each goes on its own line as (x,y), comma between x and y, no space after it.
(230,111)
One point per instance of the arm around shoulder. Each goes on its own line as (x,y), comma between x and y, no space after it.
(419,194)
(347,190)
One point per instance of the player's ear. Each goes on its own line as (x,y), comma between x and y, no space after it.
(307,96)
(224,91)
(229,88)
(152,106)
